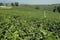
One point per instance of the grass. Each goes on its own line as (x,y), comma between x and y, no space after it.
(28,23)
(23,10)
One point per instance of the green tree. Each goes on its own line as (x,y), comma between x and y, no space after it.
(12,4)
(58,9)
(16,4)
(1,4)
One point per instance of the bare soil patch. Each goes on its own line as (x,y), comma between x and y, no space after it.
(6,7)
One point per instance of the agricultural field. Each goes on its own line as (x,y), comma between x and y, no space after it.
(29,23)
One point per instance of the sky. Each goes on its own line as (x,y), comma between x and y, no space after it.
(32,1)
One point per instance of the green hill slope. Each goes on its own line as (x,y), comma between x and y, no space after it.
(29,23)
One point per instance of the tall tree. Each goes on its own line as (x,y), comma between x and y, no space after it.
(12,4)
(16,4)
(1,4)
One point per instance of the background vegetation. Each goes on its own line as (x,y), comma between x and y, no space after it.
(27,22)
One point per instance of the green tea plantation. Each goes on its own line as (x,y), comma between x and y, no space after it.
(29,23)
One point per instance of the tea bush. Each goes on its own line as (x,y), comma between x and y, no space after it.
(15,28)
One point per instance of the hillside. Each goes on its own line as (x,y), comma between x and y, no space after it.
(27,22)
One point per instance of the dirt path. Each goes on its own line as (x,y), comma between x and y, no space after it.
(6,7)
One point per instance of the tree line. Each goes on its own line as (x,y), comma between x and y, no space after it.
(56,8)
(10,4)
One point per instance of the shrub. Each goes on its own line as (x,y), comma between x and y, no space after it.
(58,9)
(54,10)
(37,8)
